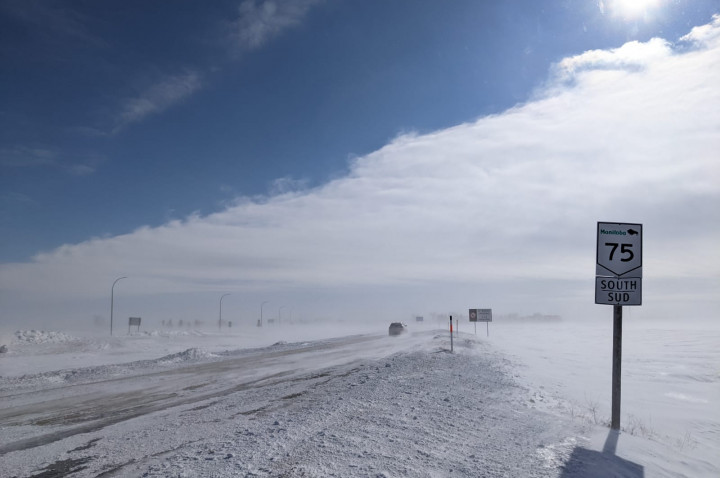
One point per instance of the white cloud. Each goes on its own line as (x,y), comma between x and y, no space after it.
(259,21)
(287,185)
(159,97)
(705,35)
(506,205)
(631,57)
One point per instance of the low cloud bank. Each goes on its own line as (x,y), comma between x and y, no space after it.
(630,134)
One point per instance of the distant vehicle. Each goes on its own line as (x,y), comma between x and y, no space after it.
(397,328)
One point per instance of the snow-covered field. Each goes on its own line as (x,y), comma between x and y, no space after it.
(532,399)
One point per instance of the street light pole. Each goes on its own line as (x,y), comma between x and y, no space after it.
(261,313)
(112,302)
(220,319)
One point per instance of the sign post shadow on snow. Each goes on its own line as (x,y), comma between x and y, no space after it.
(600,464)
(618,282)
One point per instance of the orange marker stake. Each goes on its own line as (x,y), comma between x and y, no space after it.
(451,337)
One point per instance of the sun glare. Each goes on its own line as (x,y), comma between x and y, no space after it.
(633,9)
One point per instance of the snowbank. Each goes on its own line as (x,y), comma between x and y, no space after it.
(42,337)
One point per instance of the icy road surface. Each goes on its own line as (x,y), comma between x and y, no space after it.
(354,406)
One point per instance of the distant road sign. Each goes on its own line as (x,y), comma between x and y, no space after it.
(135,322)
(480,315)
(618,291)
(619,249)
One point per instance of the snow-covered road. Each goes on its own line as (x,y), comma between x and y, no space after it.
(355,406)
(93,398)
(350,405)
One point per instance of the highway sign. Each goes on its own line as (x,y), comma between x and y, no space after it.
(480,315)
(619,249)
(618,291)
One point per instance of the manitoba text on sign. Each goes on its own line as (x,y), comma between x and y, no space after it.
(480,315)
(618,290)
(619,249)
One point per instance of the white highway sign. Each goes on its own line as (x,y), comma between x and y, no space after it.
(619,249)
(618,291)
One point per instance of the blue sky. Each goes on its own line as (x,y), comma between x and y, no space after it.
(120,119)
(226,114)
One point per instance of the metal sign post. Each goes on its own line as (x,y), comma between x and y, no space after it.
(481,315)
(134,321)
(617,361)
(618,282)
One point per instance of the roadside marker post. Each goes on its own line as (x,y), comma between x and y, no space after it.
(618,282)
(451,337)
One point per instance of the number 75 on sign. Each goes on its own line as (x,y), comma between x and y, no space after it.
(619,249)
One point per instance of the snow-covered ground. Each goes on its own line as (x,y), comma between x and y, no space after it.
(670,384)
(529,400)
